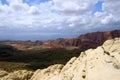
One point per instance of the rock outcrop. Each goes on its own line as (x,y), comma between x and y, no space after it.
(102,63)
(3,73)
(85,41)
(16,75)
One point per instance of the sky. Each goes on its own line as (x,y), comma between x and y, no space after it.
(50,19)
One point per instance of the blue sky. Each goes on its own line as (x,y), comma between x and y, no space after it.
(30,2)
(98,7)
(50,19)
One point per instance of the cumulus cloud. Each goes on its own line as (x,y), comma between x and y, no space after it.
(74,7)
(111,6)
(34,10)
(58,16)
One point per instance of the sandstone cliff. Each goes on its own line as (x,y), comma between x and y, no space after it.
(102,63)
(85,41)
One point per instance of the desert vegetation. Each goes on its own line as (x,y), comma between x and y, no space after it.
(12,59)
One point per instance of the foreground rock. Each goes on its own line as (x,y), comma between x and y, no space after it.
(3,73)
(102,63)
(16,75)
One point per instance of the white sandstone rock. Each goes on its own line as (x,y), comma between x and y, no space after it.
(16,75)
(102,63)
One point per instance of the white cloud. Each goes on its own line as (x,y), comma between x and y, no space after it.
(14,1)
(58,16)
(107,19)
(34,10)
(112,6)
(74,7)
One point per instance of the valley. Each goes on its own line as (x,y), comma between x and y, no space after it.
(33,55)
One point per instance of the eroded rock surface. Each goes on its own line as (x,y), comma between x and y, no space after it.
(16,75)
(102,63)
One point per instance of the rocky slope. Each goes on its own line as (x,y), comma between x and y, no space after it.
(85,41)
(16,75)
(102,63)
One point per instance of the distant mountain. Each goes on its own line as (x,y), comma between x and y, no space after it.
(23,45)
(84,41)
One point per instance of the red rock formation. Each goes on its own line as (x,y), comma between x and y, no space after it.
(86,41)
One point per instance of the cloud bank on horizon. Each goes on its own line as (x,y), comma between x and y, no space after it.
(48,19)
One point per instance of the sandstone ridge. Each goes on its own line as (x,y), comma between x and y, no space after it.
(102,63)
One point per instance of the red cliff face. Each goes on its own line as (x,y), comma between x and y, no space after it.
(85,41)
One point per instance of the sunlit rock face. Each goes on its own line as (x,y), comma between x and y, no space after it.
(102,63)
(16,75)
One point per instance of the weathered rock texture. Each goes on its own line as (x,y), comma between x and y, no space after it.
(102,63)
(16,75)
